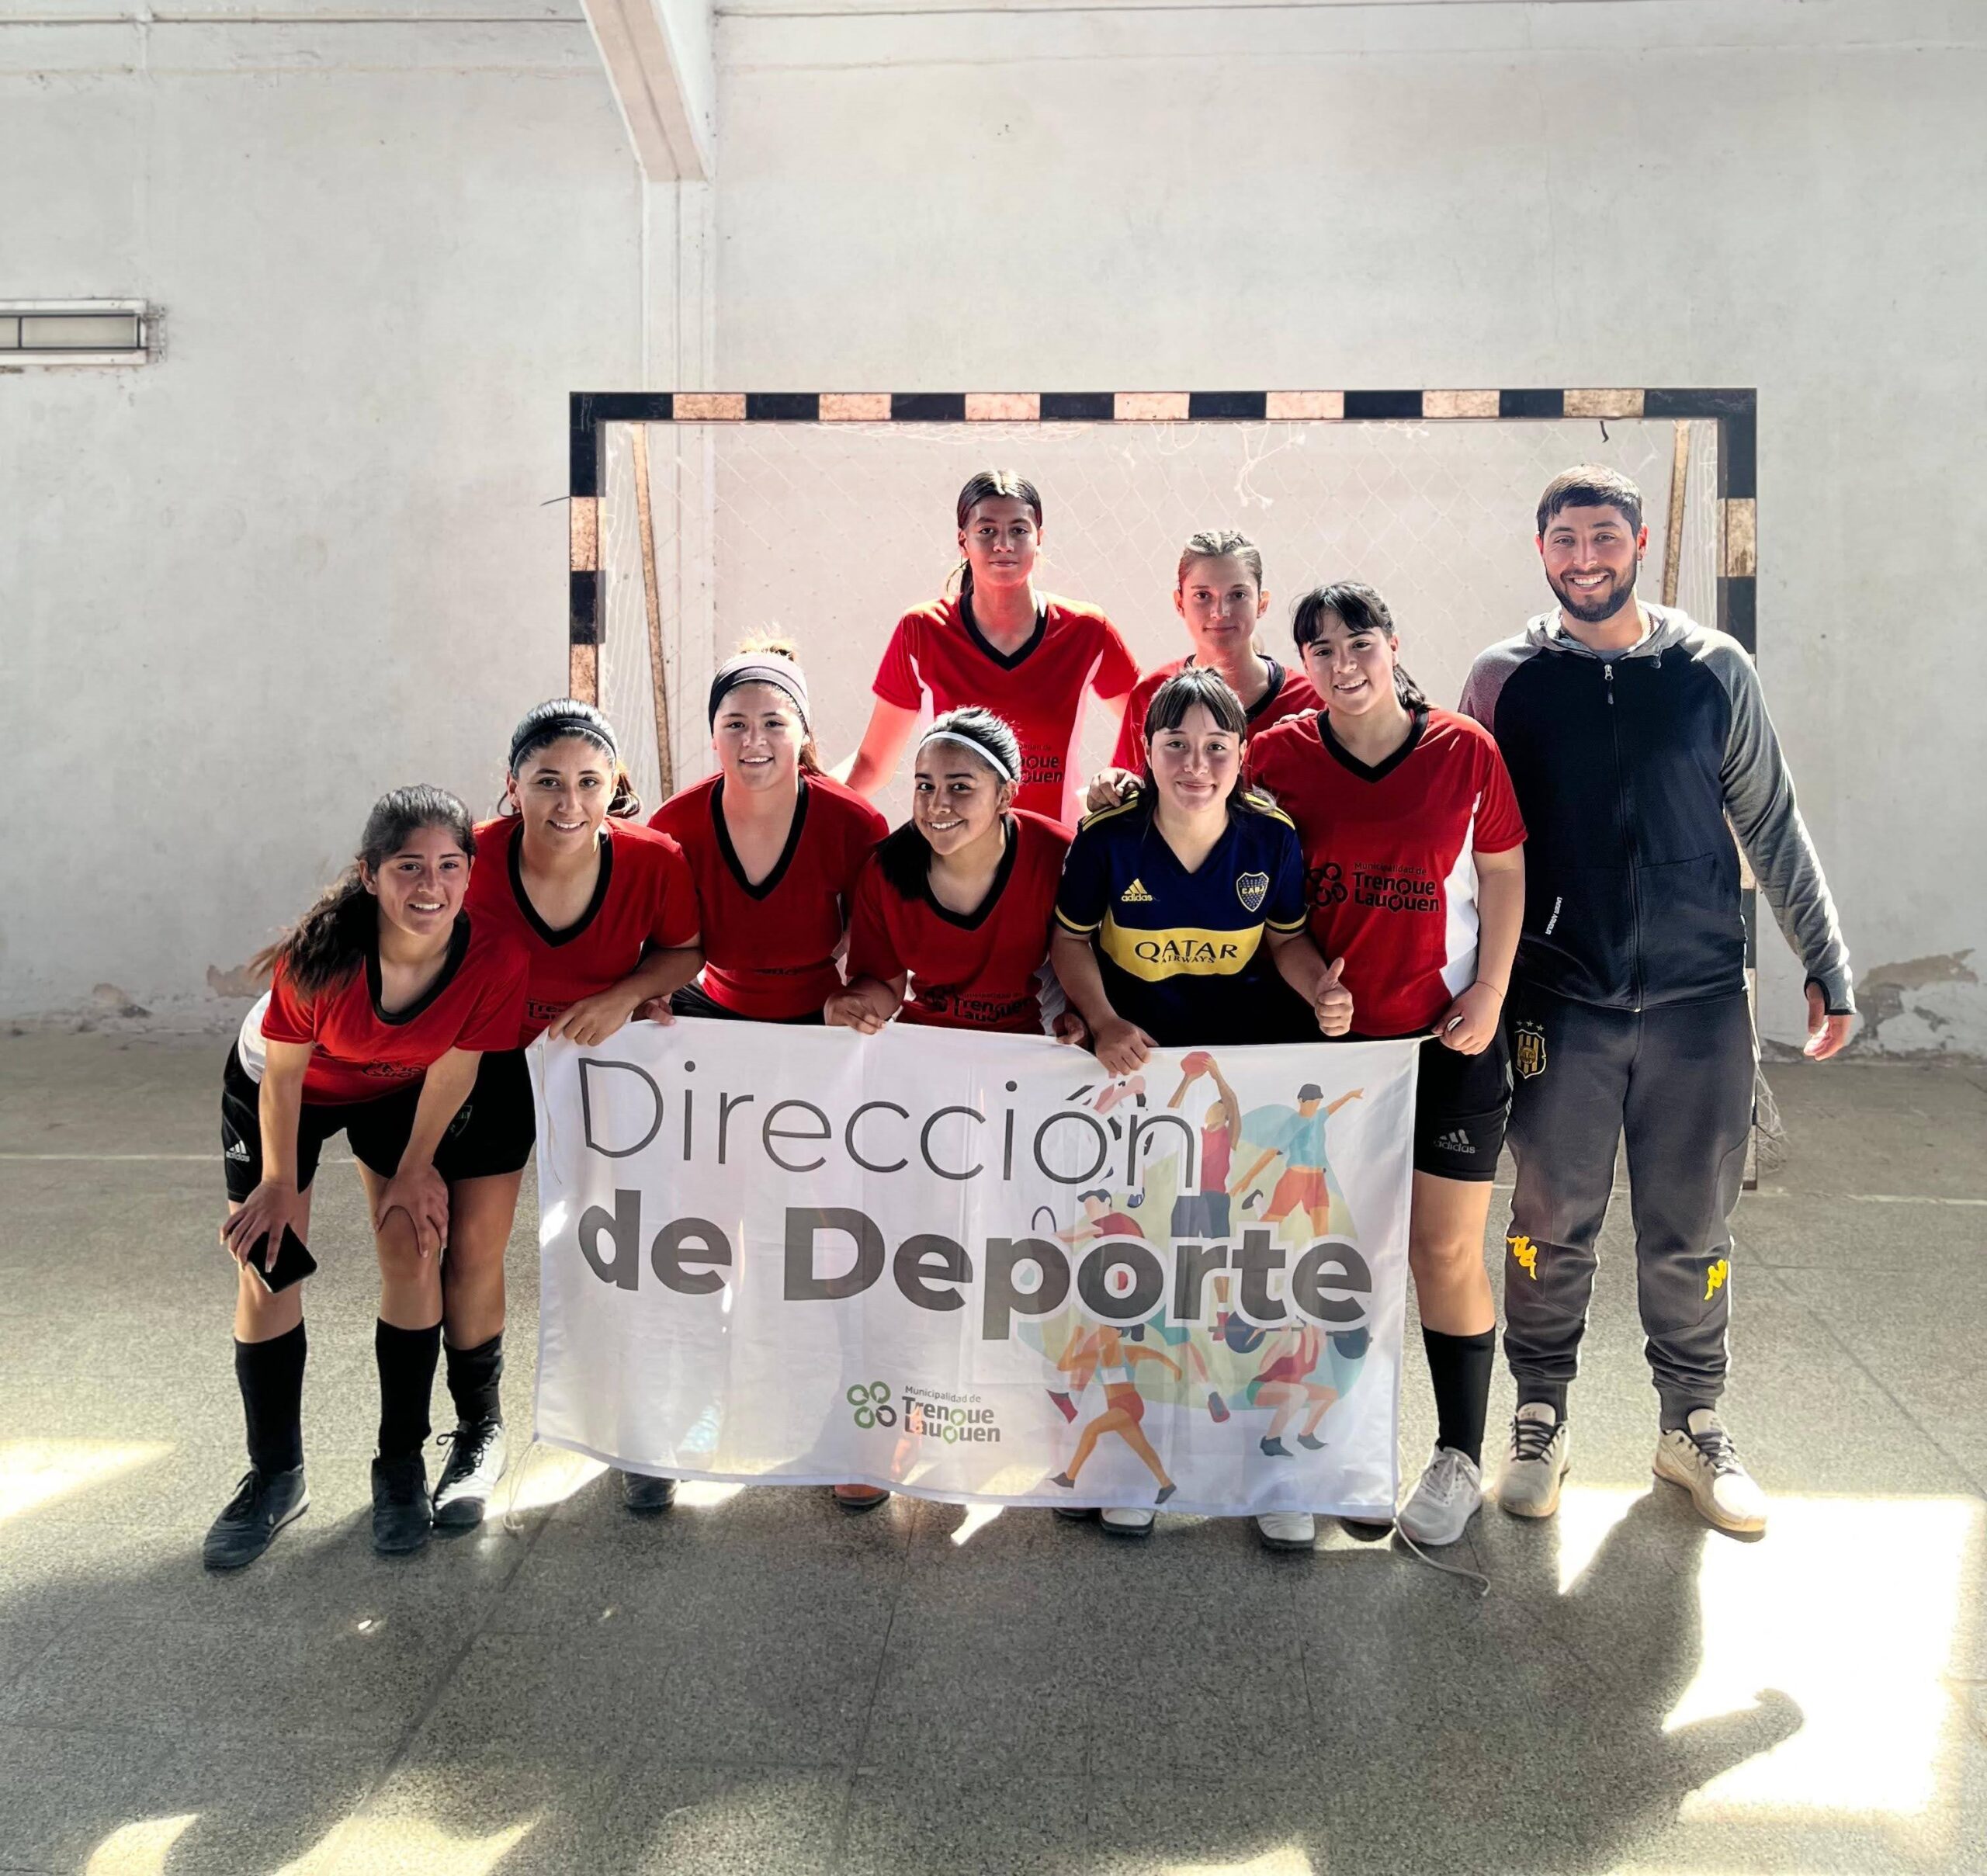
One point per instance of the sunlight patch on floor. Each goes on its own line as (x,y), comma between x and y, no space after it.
(386,1846)
(1851,1607)
(34,1472)
(138,1849)
(544,1476)
(1287,1861)
(977,1518)
(705,1494)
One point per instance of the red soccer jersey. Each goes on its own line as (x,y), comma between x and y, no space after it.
(645,896)
(1389,874)
(1038,690)
(973,971)
(1289,694)
(360,1051)
(769,949)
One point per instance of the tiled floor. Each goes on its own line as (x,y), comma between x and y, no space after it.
(757,1682)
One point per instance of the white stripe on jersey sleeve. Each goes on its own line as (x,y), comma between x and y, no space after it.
(254,1051)
(1459,899)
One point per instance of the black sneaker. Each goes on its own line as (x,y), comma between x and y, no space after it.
(476,1462)
(262,1504)
(646,1496)
(402,1517)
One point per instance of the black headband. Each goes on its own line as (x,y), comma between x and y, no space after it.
(760,668)
(554,729)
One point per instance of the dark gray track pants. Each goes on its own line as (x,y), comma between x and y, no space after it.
(1677,1082)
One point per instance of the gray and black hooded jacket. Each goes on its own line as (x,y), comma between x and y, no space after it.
(1627,769)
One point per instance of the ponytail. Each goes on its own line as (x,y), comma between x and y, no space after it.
(328,943)
(331,940)
(903,857)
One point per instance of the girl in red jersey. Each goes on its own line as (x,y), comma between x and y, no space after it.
(1027,656)
(384,1001)
(775,846)
(957,903)
(1220,596)
(1414,854)
(607,914)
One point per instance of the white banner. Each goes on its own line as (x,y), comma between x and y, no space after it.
(976,1267)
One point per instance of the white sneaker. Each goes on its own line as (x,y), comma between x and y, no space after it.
(1705,1462)
(1287,1530)
(1127,1521)
(1530,1486)
(1449,1495)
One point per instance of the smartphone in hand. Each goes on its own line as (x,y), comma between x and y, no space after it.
(292,1262)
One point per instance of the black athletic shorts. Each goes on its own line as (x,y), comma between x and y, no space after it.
(1461,1104)
(492,1132)
(694,999)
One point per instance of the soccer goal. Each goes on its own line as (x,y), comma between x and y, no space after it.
(698,519)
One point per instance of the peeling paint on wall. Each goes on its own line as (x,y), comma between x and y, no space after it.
(242,981)
(1886,992)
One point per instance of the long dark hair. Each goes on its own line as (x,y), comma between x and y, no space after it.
(1194,686)
(552,722)
(988,482)
(904,854)
(331,940)
(1360,609)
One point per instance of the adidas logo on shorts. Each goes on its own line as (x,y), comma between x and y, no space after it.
(1136,894)
(236,1150)
(1455,1140)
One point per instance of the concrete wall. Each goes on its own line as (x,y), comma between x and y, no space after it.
(1739,192)
(390,249)
(309,553)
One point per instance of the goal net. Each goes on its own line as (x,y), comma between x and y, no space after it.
(826,533)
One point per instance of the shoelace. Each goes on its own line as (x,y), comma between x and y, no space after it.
(1716,1446)
(1531,1438)
(1451,1471)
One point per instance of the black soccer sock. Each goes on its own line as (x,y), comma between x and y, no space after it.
(1545,1393)
(1459,1366)
(406,1358)
(475,1380)
(271,1377)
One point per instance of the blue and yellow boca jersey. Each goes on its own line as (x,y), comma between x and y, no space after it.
(1183,954)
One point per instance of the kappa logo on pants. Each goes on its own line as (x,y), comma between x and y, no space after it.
(1715,1277)
(1525,1253)
(1528,1049)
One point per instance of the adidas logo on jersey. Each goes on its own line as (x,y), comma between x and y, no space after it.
(1136,894)
(1455,1140)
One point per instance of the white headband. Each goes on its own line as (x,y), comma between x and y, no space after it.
(991,757)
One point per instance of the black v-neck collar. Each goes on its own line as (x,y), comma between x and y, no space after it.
(1006,659)
(1251,711)
(1278,675)
(973,920)
(458,950)
(1377,771)
(530,911)
(766,886)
